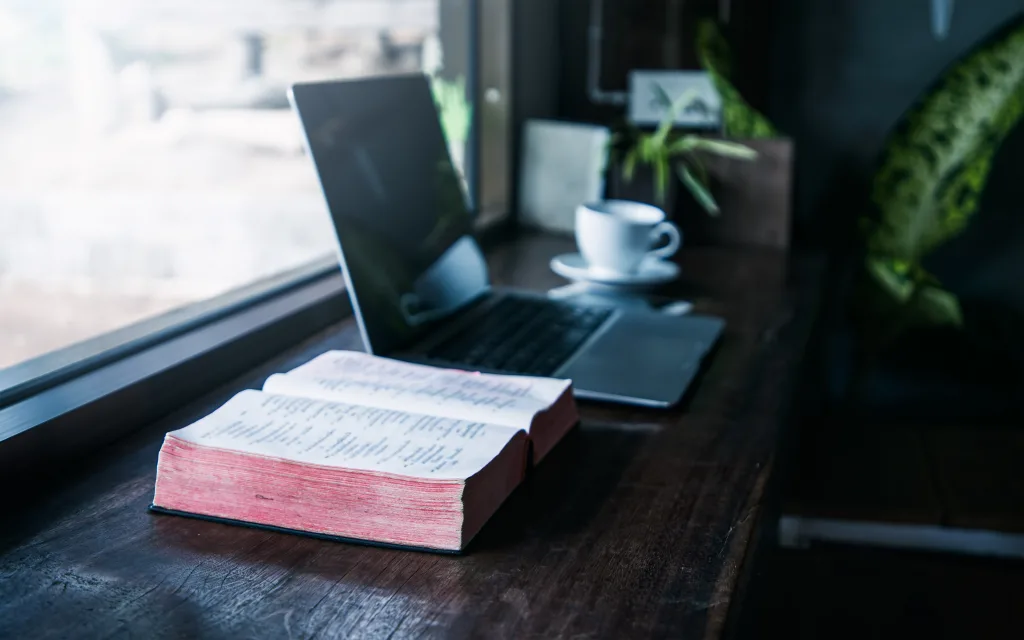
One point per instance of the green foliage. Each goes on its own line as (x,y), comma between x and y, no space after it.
(666,153)
(932,173)
(739,119)
(456,110)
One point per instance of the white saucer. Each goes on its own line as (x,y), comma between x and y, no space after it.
(651,271)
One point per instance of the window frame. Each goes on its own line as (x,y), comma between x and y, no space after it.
(34,376)
(69,402)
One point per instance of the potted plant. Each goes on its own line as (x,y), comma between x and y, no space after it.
(662,156)
(754,196)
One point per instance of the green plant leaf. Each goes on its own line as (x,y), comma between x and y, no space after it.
(924,302)
(890,277)
(697,167)
(661,171)
(936,306)
(739,119)
(932,173)
(645,150)
(724,148)
(683,144)
(629,164)
(683,101)
(697,188)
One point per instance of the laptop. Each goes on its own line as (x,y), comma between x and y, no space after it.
(419,283)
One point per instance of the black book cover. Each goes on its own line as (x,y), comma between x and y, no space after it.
(323,536)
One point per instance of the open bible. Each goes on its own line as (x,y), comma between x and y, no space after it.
(368,449)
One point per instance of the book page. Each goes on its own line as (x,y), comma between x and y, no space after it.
(360,378)
(349,436)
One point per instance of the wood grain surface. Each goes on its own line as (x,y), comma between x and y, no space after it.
(637,525)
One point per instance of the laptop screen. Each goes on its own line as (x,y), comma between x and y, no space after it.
(397,203)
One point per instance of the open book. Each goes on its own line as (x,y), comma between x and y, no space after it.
(355,446)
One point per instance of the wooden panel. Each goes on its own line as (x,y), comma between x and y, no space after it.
(862,472)
(637,525)
(856,592)
(980,476)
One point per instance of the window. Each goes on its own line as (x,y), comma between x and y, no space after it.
(149,158)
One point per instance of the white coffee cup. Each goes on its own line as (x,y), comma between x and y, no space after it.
(615,236)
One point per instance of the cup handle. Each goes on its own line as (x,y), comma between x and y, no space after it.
(675,239)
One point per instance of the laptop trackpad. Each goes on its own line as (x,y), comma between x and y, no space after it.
(643,358)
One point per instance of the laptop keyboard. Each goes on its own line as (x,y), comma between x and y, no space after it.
(522,335)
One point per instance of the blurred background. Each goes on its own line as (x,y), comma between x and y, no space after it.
(149,157)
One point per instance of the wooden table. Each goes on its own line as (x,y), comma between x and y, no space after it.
(641,522)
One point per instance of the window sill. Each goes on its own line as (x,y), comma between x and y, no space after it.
(156,366)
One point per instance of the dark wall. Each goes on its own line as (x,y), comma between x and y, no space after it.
(833,75)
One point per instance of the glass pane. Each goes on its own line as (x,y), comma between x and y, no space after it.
(149,158)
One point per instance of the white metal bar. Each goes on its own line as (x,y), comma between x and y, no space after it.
(800,532)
